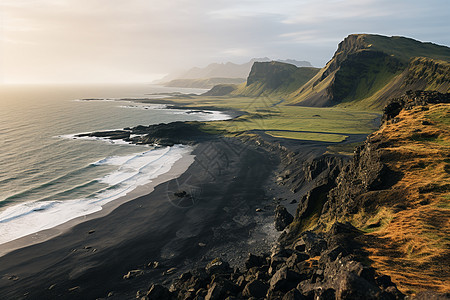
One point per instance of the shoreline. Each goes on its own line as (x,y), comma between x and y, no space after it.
(175,171)
(153,227)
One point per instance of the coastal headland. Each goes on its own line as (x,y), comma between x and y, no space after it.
(358,188)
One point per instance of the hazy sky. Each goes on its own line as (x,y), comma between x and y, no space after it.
(44,41)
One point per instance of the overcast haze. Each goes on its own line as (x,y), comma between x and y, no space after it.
(61,41)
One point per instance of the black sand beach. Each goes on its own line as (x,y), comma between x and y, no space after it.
(226,183)
(208,212)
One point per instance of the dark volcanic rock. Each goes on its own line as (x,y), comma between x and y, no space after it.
(282,218)
(411,99)
(157,291)
(294,294)
(113,135)
(255,288)
(215,292)
(218,266)
(314,243)
(254,261)
(160,134)
(350,286)
(284,280)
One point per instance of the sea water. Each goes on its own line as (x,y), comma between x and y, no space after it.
(48,177)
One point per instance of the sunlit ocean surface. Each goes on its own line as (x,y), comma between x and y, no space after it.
(47,177)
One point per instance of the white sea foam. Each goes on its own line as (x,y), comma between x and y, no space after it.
(133,170)
(147,106)
(204,115)
(97,99)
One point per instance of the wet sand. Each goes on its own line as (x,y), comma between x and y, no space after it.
(179,168)
(88,258)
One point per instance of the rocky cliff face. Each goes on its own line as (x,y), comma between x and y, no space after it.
(272,74)
(275,77)
(393,190)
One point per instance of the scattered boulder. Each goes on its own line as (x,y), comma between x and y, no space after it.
(256,289)
(75,289)
(158,291)
(218,266)
(153,265)
(215,292)
(282,218)
(133,273)
(254,261)
(293,294)
(284,280)
(170,271)
(295,258)
(350,286)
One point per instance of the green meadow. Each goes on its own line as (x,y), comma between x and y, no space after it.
(272,115)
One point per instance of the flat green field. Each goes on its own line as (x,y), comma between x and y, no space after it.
(308,136)
(271,114)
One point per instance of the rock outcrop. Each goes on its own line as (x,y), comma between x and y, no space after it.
(282,218)
(321,271)
(162,135)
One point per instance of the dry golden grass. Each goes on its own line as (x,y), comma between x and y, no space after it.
(414,246)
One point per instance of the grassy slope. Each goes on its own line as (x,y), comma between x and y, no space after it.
(366,68)
(407,236)
(421,74)
(419,235)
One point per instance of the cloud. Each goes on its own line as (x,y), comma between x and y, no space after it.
(100,40)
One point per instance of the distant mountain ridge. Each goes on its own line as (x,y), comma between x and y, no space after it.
(206,83)
(223,73)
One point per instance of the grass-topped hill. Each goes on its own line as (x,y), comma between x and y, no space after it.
(275,78)
(367,70)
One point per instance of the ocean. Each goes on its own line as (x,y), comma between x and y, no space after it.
(48,177)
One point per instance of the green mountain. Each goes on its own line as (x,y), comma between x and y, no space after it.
(367,70)
(275,78)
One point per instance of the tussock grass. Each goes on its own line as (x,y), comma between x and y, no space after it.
(412,244)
